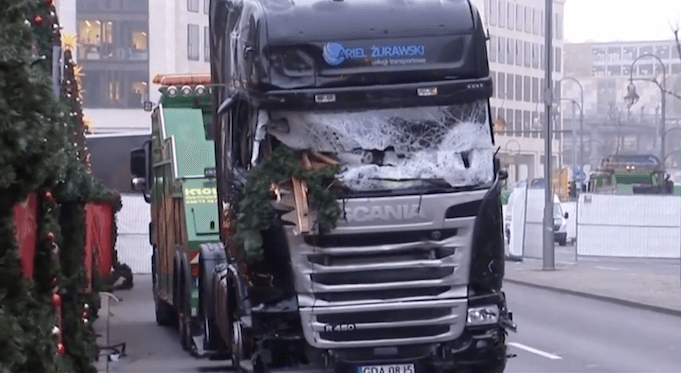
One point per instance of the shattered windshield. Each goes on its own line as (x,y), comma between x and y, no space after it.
(392,148)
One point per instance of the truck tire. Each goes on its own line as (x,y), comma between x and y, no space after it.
(211,255)
(164,312)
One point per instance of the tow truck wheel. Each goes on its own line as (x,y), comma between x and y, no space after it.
(237,346)
(185,322)
(164,312)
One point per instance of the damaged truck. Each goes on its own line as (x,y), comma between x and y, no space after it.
(358,190)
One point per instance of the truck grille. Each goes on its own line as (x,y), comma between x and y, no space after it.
(374,286)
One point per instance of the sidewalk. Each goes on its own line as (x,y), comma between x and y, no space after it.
(640,288)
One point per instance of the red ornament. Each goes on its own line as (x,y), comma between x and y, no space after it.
(47,196)
(38,20)
(51,237)
(61,349)
(55,300)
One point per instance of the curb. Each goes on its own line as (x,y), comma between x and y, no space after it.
(603,298)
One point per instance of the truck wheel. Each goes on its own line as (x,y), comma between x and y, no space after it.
(237,346)
(184,320)
(211,255)
(164,312)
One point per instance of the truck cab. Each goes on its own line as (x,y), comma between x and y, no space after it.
(366,127)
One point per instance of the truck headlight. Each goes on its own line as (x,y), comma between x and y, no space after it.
(483,315)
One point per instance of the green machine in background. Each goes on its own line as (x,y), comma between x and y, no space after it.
(630,174)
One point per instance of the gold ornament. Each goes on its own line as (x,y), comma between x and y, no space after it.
(68,41)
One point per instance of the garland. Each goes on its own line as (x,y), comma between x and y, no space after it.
(256,212)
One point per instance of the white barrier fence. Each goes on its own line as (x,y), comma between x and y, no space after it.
(646,226)
(132,243)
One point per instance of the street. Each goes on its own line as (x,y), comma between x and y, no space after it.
(556,333)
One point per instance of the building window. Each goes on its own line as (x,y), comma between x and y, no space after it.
(114,92)
(519,17)
(518,53)
(542,28)
(614,70)
(558,58)
(193,5)
(518,88)
(518,122)
(598,71)
(662,51)
(206,6)
(527,125)
(646,69)
(510,16)
(614,54)
(676,68)
(535,55)
(626,69)
(509,120)
(493,75)
(96,39)
(493,10)
(647,50)
(501,50)
(535,21)
(206,44)
(559,26)
(598,54)
(193,42)
(493,111)
(501,80)
(675,53)
(629,53)
(528,20)
(493,48)
(502,14)
(139,40)
(528,53)
(510,44)
(535,90)
(509,86)
(527,89)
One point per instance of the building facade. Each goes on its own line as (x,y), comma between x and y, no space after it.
(605,71)
(516,50)
(123,44)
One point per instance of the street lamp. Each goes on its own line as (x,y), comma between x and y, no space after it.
(548,249)
(581,125)
(632,97)
(574,137)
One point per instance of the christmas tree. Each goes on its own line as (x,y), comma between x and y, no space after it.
(45,321)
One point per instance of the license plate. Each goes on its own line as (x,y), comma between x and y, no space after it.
(394,368)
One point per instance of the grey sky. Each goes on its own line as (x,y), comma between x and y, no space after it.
(610,20)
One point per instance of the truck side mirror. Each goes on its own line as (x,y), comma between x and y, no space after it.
(141,170)
(503,174)
(138,163)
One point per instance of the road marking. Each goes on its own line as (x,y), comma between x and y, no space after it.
(608,268)
(534,351)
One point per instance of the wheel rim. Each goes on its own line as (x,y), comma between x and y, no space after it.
(237,344)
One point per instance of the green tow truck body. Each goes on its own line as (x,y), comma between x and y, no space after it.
(183,200)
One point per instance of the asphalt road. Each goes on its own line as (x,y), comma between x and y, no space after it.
(556,333)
